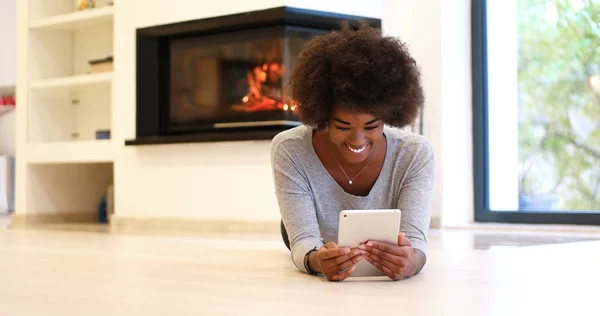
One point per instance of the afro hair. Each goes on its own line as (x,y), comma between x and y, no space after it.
(359,70)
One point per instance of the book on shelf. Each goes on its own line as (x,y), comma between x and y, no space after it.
(101,65)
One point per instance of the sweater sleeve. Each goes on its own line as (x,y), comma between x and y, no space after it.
(416,196)
(296,204)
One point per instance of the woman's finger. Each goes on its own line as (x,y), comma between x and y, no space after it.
(342,276)
(330,245)
(385,263)
(348,255)
(337,261)
(335,252)
(385,256)
(405,242)
(348,263)
(381,267)
(402,251)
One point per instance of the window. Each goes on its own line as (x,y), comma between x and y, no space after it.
(536,111)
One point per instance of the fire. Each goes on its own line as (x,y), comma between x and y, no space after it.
(265,89)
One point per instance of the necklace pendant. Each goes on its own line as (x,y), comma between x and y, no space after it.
(350,181)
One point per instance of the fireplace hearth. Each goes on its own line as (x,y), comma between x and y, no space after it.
(223,78)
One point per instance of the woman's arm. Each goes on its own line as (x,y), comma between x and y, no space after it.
(420,260)
(298,212)
(296,204)
(415,200)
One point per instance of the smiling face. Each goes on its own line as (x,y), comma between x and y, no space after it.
(354,135)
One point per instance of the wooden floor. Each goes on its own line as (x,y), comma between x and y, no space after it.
(468,273)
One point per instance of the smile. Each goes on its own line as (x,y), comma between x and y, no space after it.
(357,150)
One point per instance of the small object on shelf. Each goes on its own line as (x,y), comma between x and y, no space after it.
(110,202)
(103,134)
(102,210)
(7,103)
(101,65)
(8,100)
(84,4)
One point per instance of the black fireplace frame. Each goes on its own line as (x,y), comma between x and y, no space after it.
(152,76)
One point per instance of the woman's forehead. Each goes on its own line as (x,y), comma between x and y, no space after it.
(352,116)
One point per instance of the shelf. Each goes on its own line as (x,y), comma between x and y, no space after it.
(71,82)
(6,109)
(7,89)
(71,152)
(75,21)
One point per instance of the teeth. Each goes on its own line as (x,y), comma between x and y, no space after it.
(357,151)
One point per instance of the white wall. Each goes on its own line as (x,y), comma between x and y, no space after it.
(418,23)
(456,114)
(233,180)
(438,34)
(8,42)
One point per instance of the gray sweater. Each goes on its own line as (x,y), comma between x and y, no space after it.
(310,199)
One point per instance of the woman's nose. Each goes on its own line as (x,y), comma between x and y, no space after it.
(357,138)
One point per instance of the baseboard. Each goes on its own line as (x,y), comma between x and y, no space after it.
(18,220)
(156,225)
(530,228)
(186,226)
(153,225)
(141,225)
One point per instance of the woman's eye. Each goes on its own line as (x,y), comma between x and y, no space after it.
(343,128)
(371,127)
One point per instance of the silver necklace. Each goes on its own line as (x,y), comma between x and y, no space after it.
(339,164)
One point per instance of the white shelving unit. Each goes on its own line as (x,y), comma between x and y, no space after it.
(64,168)
(71,82)
(76,20)
(71,152)
(66,102)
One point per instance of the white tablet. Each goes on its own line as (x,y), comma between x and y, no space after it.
(358,226)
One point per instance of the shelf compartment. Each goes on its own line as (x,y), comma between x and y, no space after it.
(75,21)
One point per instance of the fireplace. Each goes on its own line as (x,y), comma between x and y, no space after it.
(223,78)
(233,79)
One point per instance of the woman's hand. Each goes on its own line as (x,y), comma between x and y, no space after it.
(337,263)
(397,262)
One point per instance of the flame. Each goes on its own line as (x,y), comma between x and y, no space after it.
(265,89)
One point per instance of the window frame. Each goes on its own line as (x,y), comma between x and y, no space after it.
(481,173)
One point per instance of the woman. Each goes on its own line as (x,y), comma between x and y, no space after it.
(346,86)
